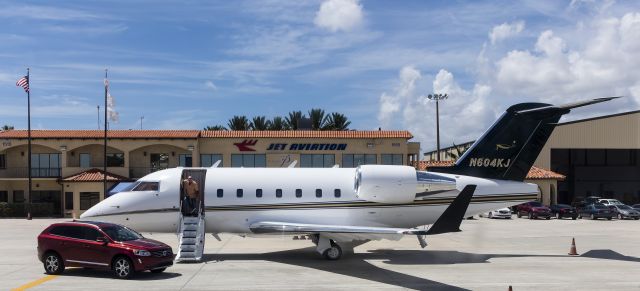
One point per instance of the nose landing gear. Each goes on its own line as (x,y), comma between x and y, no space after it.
(328,248)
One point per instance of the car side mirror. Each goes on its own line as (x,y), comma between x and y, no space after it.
(102,239)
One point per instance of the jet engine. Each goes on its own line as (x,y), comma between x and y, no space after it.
(386,184)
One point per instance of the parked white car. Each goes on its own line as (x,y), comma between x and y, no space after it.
(500,213)
(610,202)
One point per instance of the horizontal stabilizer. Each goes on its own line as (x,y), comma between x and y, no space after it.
(452,217)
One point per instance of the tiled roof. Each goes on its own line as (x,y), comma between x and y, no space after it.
(100,134)
(307,134)
(94,175)
(535,173)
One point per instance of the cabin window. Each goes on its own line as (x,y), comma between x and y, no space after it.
(259,193)
(146,186)
(336,193)
(220,193)
(318,193)
(239,193)
(279,193)
(298,193)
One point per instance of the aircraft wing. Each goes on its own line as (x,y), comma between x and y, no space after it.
(341,232)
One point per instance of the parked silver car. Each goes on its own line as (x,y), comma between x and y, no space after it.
(626,211)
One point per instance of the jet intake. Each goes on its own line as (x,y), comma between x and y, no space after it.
(386,184)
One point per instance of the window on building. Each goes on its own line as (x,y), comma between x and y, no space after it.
(391,159)
(336,193)
(88,199)
(68,200)
(45,165)
(239,193)
(249,160)
(207,160)
(3,161)
(115,160)
(318,193)
(259,193)
(278,193)
(4,196)
(220,193)
(18,196)
(147,186)
(159,162)
(298,193)
(355,160)
(85,160)
(185,160)
(317,160)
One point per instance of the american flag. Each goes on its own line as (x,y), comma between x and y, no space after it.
(24,83)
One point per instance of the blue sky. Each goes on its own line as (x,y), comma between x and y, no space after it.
(188,64)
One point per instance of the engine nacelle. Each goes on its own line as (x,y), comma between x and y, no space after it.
(386,184)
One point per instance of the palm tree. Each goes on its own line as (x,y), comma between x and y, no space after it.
(337,121)
(238,123)
(7,127)
(215,127)
(293,118)
(318,118)
(260,123)
(278,123)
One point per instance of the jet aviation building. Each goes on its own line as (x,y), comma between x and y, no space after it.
(67,164)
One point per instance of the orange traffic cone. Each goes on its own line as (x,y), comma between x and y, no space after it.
(572,251)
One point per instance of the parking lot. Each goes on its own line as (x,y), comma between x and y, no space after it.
(487,255)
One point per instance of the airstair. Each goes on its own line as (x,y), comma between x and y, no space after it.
(191,236)
(191,229)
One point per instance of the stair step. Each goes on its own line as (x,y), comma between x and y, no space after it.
(188,248)
(190,227)
(189,233)
(188,240)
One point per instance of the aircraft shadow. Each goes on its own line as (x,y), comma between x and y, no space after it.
(106,274)
(356,265)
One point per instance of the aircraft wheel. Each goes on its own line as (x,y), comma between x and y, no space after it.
(333,253)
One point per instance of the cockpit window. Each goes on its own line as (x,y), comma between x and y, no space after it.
(147,186)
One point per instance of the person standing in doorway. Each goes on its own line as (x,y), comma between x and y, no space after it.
(192,192)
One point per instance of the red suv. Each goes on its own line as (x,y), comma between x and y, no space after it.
(102,246)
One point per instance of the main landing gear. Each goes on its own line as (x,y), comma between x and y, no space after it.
(328,248)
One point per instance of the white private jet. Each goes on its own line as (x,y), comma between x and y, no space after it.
(343,207)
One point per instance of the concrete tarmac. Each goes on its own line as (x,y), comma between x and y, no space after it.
(486,255)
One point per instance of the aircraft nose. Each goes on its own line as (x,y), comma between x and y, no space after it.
(91,212)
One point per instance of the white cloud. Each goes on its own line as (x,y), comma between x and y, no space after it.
(408,109)
(505,30)
(336,15)
(210,85)
(48,13)
(604,62)
(391,104)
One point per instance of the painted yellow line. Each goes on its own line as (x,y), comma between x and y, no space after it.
(35,283)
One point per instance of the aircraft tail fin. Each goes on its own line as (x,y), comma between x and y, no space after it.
(508,149)
(452,217)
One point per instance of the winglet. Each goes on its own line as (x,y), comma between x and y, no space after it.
(452,217)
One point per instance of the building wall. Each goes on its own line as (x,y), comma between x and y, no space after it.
(617,132)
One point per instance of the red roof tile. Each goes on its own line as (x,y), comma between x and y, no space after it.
(94,175)
(307,134)
(535,173)
(100,134)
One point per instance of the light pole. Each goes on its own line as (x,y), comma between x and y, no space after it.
(437,98)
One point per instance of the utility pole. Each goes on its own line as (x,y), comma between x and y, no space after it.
(437,98)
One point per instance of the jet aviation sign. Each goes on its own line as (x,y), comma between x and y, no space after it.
(307,147)
(247,145)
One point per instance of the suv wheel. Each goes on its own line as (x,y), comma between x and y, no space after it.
(518,214)
(530,215)
(558,215)
(122,268)
(53,264)
(490,214)
(593,217)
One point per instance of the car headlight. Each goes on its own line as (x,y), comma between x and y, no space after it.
(141,253)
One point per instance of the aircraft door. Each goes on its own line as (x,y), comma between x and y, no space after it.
(192,191)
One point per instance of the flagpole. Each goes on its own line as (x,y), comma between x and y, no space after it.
(106,88)
(29,143)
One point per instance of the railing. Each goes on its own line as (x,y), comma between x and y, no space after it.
(139,172)
(23,172)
